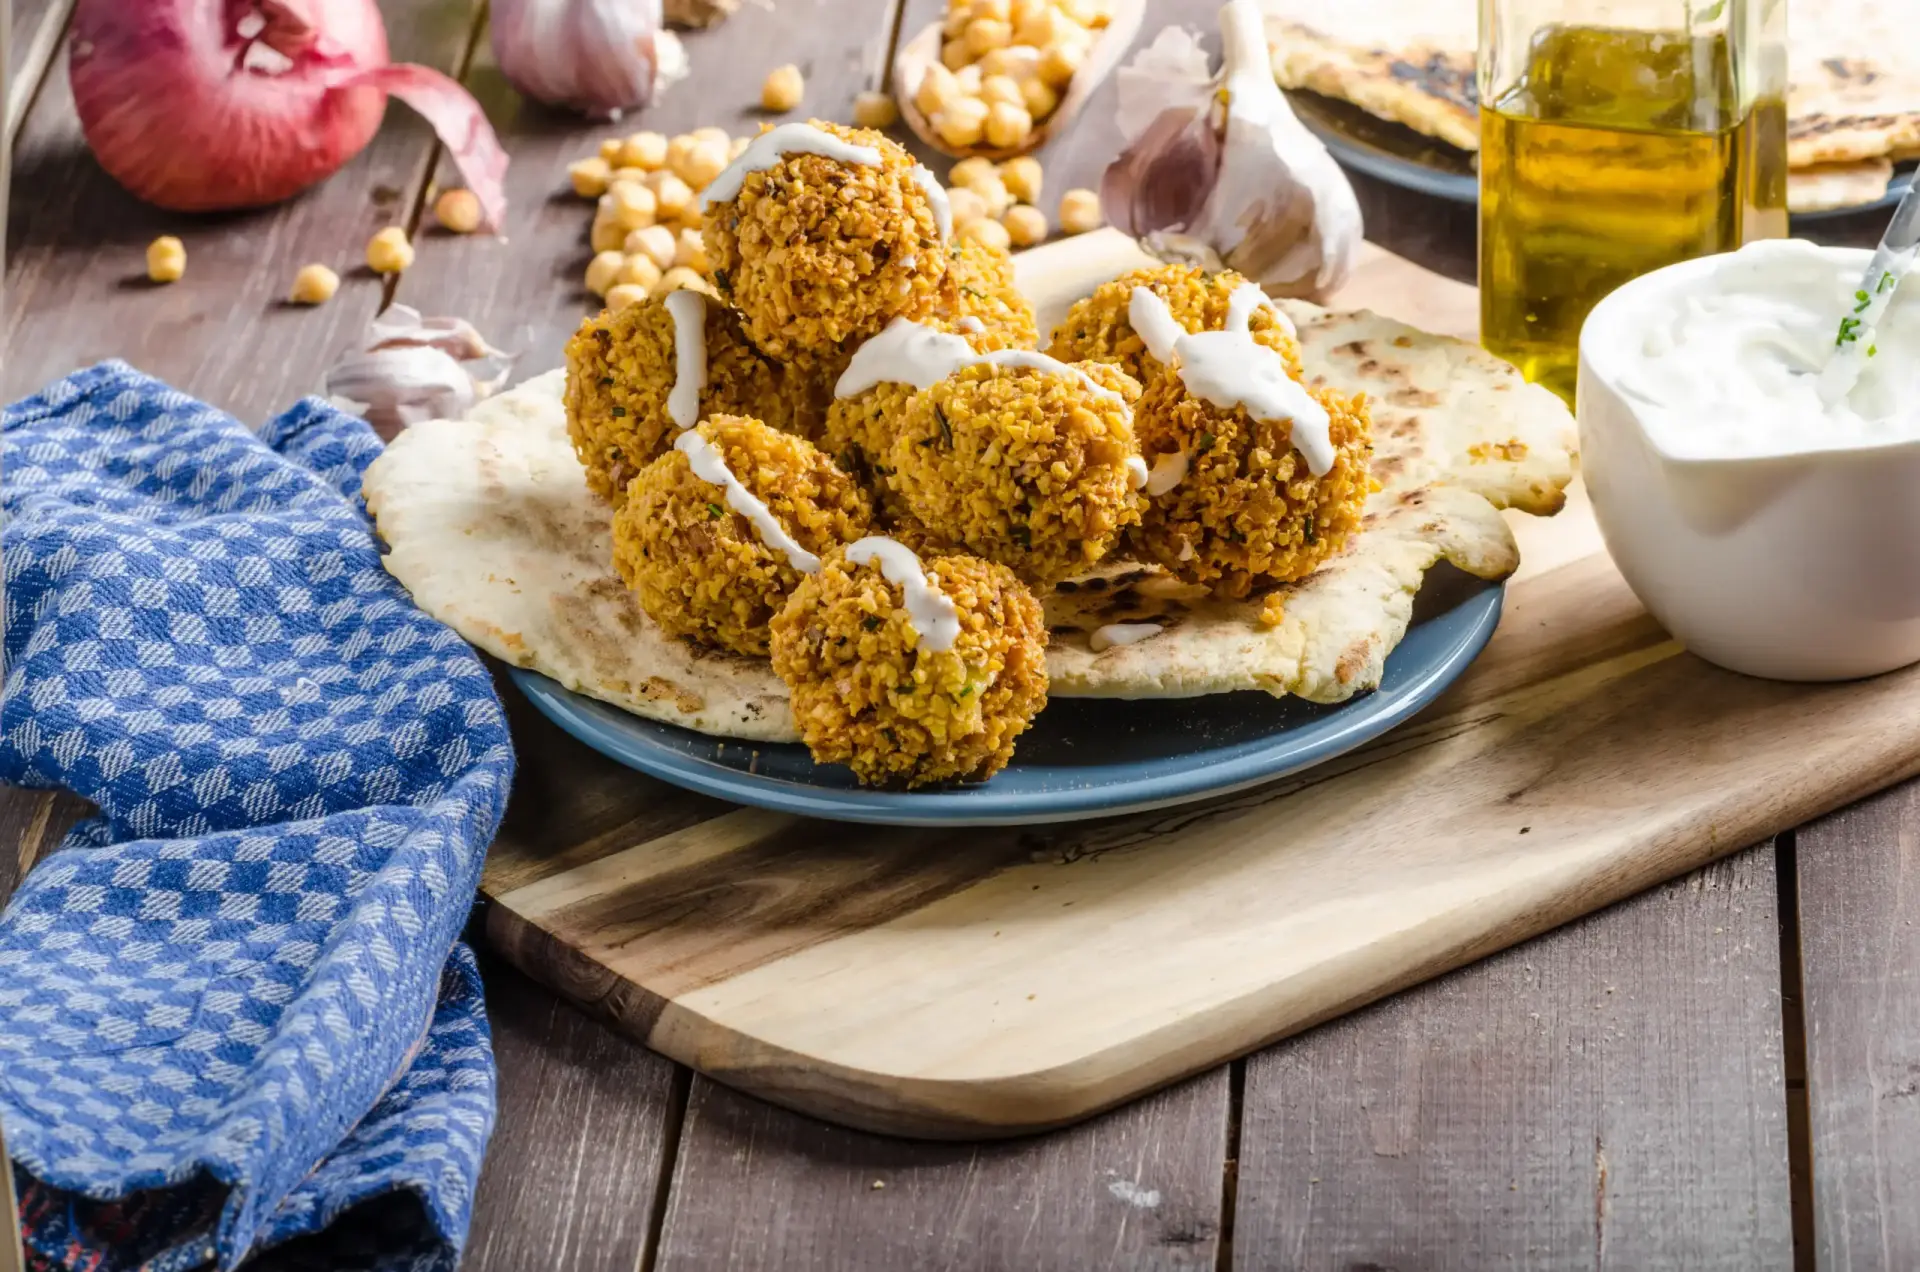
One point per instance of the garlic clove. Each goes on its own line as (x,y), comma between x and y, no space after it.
(409,369)
(402,325)
(599,57)
(1271,203)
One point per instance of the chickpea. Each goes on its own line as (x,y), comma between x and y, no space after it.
(1060,62)
(876,110)
(986,34)
(711,135)
(783,89)
(678,149)
(313,285)
(634,206)
(954,55)
(644,150)
(681,278)
(955,22)
(1025,225)
(708,160)
(1079,212)
(690,250)
(607,233)
(968,171)
(1008,126)
(988,233)
(997,89)
(1041,99)
(603,271)
(590,177)
(967,80)
(962,123)
(166,259)
(1017,62)
(993,10)
(625,296)
(639,270)
(991,189)
(1043,28)
(610,151)
(388,252)
(1022,178)
(1083,13)
(656,242)
(673,197)
(458,211)
(1023,12)
(966,207)
(620,175)
(936,88)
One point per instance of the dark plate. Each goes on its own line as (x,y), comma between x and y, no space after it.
(1083,757)
(1399,156)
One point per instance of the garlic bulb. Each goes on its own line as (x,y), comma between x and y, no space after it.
(413,369)
(1218,172)
(600,57)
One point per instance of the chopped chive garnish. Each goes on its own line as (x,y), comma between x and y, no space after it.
(715,511)
(1887,281)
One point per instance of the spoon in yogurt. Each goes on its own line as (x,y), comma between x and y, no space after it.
(1853,342)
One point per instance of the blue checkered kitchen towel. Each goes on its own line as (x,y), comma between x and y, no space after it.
(232,1007)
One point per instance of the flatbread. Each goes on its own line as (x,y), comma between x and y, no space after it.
(489,523)
(1853,70)
(1832,186)
(492,528)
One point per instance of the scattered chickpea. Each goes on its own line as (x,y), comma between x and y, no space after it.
(706,161)
(590,177)
(673,196)
(968,171)
(711,135)
(782,90)
(314,285)
(1059,63)
(621,175)
(690,250)
(607,233)
(638,271)
(166,259)
(1079,212)
(603,271)
(644,150)
(678,151)
(1022,177)
(1026,225)
(610,151)
(680,277)
(983,35)
(658,243)
(876,110)
(634,206)
(962,122)
(966,206)
(1008,126)
(986,183)
(625,296)
(987,232)
(388,252)
(458,211)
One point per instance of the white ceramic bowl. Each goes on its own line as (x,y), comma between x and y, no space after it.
(1800,567)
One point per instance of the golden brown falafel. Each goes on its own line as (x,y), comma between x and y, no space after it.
(1097,328)
(979,286)
(701,569)
(622,367)
(1248,513)
(1022,465)
(815,252)
(869,694)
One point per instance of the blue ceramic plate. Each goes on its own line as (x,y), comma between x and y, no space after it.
(1083,757)
(1399,156)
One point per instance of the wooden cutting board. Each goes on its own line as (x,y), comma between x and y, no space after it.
(987,982)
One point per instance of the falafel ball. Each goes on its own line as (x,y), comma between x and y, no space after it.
(1023,465)
(815,252)
(1097,328)
(979,286)
(869,694)
(1248,513)
(703,570)
(621,370)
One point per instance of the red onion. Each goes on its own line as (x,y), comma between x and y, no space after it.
(204,105)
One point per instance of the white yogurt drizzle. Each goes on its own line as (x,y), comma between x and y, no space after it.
(710,465)
(929,609)
(912,353)
(770,147)
(1229,369)
(688,308)
(971,325)
(937,199)
(1105,638)
(1137,472)
(1168,471)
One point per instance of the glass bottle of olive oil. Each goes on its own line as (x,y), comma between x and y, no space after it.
(1616,138)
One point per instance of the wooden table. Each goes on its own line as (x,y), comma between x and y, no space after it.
(1723,1073)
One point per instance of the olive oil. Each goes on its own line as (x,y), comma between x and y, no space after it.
(1614,153)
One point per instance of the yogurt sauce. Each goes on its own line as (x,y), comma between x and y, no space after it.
(913,353)
(1724,358)
(770,147)
(709,465)
(688,309)
(930,610)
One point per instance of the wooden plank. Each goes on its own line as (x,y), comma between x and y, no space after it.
(76,288)
(1859,897)
(586,1123)
(527,293)
(756,1187)
(32,823)
(33,37)
(1609,1096)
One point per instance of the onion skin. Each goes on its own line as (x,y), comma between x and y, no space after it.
(210,105)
